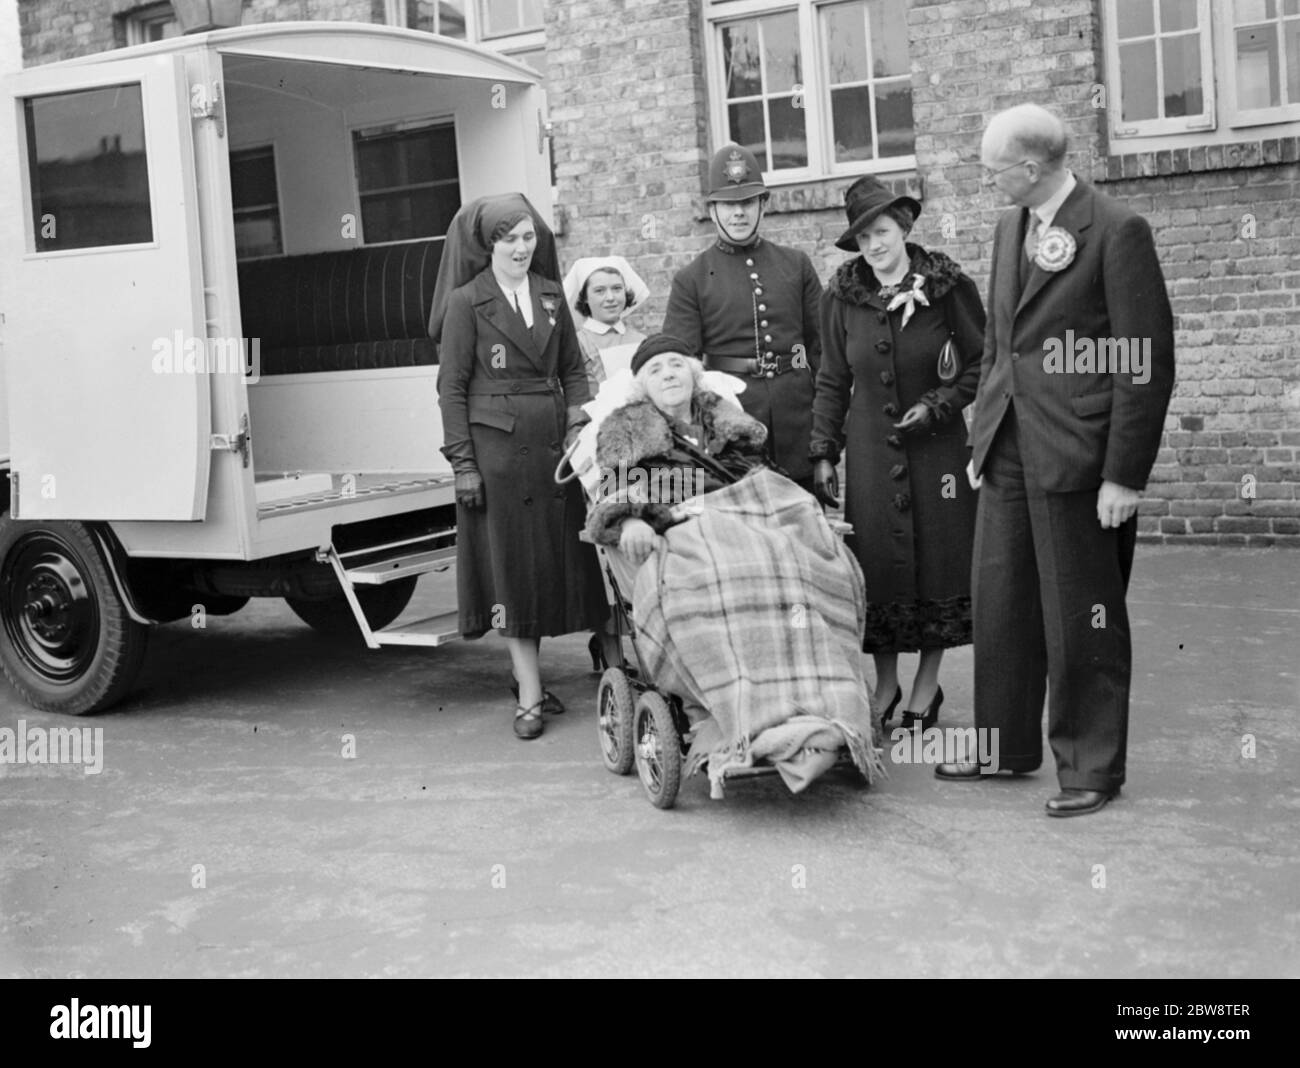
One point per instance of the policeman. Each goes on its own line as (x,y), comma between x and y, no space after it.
(751,308)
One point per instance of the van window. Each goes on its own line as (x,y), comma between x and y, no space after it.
(88,170)
(408,182)
(256,201)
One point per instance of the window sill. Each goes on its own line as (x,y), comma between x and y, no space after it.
(1152,164)
(824,194)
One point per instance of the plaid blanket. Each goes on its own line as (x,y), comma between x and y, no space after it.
(755,612)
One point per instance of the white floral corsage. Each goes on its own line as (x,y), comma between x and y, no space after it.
(908,299)
(1056,249)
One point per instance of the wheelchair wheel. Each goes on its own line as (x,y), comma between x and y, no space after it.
(658,750)
(614,710)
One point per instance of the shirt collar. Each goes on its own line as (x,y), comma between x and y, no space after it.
(525,295)
(597,327)
(1047,210)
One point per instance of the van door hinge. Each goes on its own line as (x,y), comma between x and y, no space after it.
(233,442)
(206,103)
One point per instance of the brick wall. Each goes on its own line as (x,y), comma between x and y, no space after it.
(626,85)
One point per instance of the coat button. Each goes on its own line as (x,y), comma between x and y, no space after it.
(1015,355)
(890,409)
(882,317)
(887,377)
(514,388)
(898,471)
(749,263)
(523,450)
(902,502)
(771,374)
(1006,394)
(528,500)
(894,441)
(883,346)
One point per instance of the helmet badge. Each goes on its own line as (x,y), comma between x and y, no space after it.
(736,169)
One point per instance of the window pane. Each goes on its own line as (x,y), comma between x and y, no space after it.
(1177,15)
(406,158)
(252,178)
(789,134)
(1257,73)
(407,215)
(89,173)
(446,17)
(510,16)
(781,52)
(740,55)
(846,44)
(894,119)
(1292,33)
(1182,57)
(745,125)
(889,38)
(257,233)
(1135,18)
(1254,10)
(851,119)
(1137,64)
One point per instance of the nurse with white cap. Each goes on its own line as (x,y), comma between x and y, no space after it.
(601,290)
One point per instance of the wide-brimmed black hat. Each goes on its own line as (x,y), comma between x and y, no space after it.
(863,201)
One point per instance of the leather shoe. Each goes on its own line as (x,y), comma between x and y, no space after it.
(1072,802)
(964,770)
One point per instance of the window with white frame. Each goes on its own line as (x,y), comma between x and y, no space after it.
(513,27)
(155,22)
(813,89)
(255,196)
(1182,73)
(408,180)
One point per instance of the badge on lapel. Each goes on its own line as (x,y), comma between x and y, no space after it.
(1056,249)
(549,304)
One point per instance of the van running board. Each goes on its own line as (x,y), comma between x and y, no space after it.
(381,564)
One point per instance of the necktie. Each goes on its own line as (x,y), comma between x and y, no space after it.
(1030,247)
(519,311)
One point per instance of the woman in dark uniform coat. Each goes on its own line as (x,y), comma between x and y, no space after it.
(886,317)
(511,386)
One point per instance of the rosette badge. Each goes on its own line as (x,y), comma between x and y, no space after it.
(1056,249)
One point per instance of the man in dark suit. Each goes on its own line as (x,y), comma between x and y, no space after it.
(1077,372)
(751,308)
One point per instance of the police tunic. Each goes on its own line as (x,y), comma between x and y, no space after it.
(757,303)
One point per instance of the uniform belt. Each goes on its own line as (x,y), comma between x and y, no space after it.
(497,387)
(740,365)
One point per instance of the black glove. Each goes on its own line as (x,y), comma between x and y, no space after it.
(469,490)
(571,435)
(826,483)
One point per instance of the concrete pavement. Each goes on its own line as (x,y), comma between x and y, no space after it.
(229,835)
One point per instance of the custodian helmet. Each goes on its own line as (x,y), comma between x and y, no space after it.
(735,174)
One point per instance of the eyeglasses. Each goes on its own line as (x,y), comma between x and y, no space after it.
(990,175)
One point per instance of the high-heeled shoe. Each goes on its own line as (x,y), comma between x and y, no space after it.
(888,714)
(927,719)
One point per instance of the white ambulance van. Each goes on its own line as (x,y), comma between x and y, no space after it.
(217,257)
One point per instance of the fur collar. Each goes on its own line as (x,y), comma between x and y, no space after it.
(855,283)
(639,431)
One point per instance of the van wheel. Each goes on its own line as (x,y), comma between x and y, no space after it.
(68,643)
(381,604)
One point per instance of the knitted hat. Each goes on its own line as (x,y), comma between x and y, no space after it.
(657,345)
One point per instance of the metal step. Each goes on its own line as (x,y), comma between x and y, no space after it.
(398,567)
(435,630)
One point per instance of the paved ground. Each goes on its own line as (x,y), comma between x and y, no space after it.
(229,756)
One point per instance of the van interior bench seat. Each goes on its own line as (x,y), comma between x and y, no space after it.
(353,310)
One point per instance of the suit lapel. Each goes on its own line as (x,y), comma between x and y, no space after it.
(1009,251)
(1075,215)
(547,297)
(497,310)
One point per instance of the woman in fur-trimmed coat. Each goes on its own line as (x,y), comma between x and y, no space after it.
(652,461)
(887,402)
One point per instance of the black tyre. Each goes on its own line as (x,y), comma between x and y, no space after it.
(658,749)
(68,643)
(333,617)
(614,711)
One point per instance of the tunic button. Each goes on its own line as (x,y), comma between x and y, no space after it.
(883,346)
(763,324)
(887,377)
(767,338)
(771,374)
(757,291)
(890,409)
(749,263)
(769,355)
(754,276)
(762,307)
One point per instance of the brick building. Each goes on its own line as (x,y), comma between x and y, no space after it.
(1187,110)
